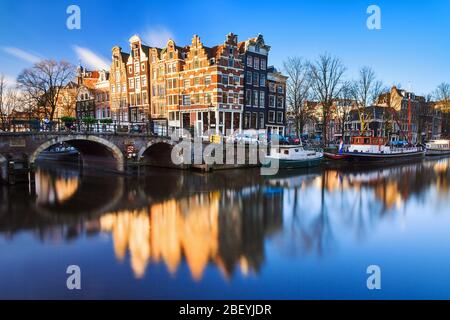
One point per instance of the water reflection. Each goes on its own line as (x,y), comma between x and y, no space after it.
(224,220)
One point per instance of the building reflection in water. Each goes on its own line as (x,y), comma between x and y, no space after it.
(226,227)
(205,228)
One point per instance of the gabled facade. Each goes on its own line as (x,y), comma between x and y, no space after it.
(119,87)
(137,77)
(276,104)
(255,55)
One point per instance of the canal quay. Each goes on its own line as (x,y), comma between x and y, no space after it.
(173,234)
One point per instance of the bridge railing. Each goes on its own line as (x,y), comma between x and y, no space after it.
(78,126)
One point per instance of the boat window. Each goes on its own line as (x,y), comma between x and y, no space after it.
(366,141)
(296,150)
(286,151)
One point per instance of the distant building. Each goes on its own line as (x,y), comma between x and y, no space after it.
(276,110)
(423,116)
(86,93)
(102,100)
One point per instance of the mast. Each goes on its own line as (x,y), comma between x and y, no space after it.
(409,119)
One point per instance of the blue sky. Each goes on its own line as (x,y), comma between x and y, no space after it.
(412,46)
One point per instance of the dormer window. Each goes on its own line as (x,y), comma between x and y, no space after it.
(257,48)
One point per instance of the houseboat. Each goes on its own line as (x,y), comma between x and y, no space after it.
(438,147)
(293,156)
(377,149)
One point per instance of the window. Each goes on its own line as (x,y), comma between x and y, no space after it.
(138,99)
(233,98)
(144,81)
(263,64)
(255,98)
(280,89)
(224,97)
(124,87)
(225,79)
(272,101)
(247,120)
(280,117)
(255,79)
(132,100)
(208,98)
(196,81)
(249,77)
(207,80)
(138,83)
(280,102)
(136,67)
(130,70)
(113,88)
(262,80)
(144,97)
(262,100)
(248,97)
(256,63)
(255,120)
(187,83)
(271,116)
(237,80)
(249,61)
(272,87)
(186,100)
(231,62)
(143,67)
(261,120)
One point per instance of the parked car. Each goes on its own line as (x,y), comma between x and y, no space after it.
(293,139)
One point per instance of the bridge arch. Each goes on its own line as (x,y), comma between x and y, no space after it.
(158,153)
(3,168)
(95,151)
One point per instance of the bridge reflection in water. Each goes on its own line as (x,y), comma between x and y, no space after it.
(231,221)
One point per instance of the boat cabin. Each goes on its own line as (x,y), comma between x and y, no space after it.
(438,145)
(368,144)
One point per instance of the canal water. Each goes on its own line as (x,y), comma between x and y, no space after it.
(230,234)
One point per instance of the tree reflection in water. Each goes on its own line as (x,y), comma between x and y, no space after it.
(223,219)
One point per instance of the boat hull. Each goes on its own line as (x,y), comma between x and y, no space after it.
(295,164)
(334,156)
(376,157)
(437,152)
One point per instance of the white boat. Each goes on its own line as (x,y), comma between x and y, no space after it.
(376,149)
(293,156)
(438,147)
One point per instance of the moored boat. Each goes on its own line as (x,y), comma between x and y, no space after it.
(292,157)
(377,149)
(335,156)
(438,147)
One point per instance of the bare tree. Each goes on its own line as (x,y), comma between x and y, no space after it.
(366,90)
(298,90)
(345,105)
(442,97)
(42,84)
(326,74)
(8,101)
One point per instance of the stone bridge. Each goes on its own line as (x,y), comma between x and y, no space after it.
(109,151)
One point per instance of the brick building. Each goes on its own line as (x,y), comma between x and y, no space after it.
(138,84)
(276,102)
(118,79)
(255,55)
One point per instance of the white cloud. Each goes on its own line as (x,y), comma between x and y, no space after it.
(157,36)
(91,59)
(21,54)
